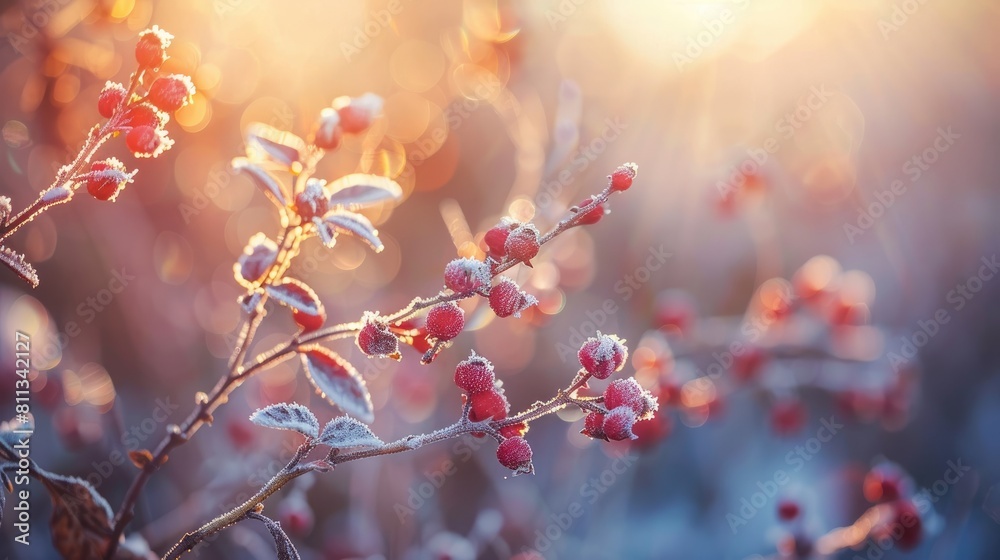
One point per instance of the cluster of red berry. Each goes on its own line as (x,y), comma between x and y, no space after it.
(140,117)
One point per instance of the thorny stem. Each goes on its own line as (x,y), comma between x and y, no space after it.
(240,373)
(295,469)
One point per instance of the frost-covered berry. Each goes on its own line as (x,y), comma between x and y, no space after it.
(357,113)
(593,215)
(603,355)
(788,510)
(466,275)
(507,298)
(151,50)
(171,92)
(515,454)
(327,132)
(618,423)
(445,321)
(628,393)
(488,404)
(496,238)
(522,243)
(622,177)
(514,430)
(312,201)
(375,338)
(144,114)
(110,98)
(593,426)
(107,178)
(146,141)
(474,375)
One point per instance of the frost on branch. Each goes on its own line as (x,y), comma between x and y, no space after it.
(338,382)
(16,262)
(345,431)
(5,210)
(287,416)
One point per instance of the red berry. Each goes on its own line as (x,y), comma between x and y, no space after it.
(622,177)
(883,484)
(240,434)
(906,525)
(593,426)
(649,432)
(593,215)
(357,113)
(107,178)
(474,375)
(445,321)
(375,338)
(628,393)
(146,141)
(514,430)
(603,355)
(488,404)
(515,454)
(151,50)
(466,275)
(111,97)
(522,243)
(144,114)
(327,132)
(496,238)
(171,92)
(295,516)
(507,298)
(787,417)
(312,201)
(788,510)
(748,364)
(618,423)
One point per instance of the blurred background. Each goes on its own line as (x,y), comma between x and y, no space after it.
(840,153)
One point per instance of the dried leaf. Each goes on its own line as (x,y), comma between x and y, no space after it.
(354,224)
(345,431)
(267,142)
(5,210)
(20,266)
(282,544)
(287,416)
(337,381)
(359,190)
(81,518)
(266,182)
(296,295)
(140,457)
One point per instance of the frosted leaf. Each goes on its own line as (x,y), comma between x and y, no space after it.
(287,416)
(345,431)
(338,382)
(327,233)
(81,518)
(266,143)
(56,195)
(21,267)
(257,258)
(282,544)
(263,179)
(354,224)
(297,295)
(359,190)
